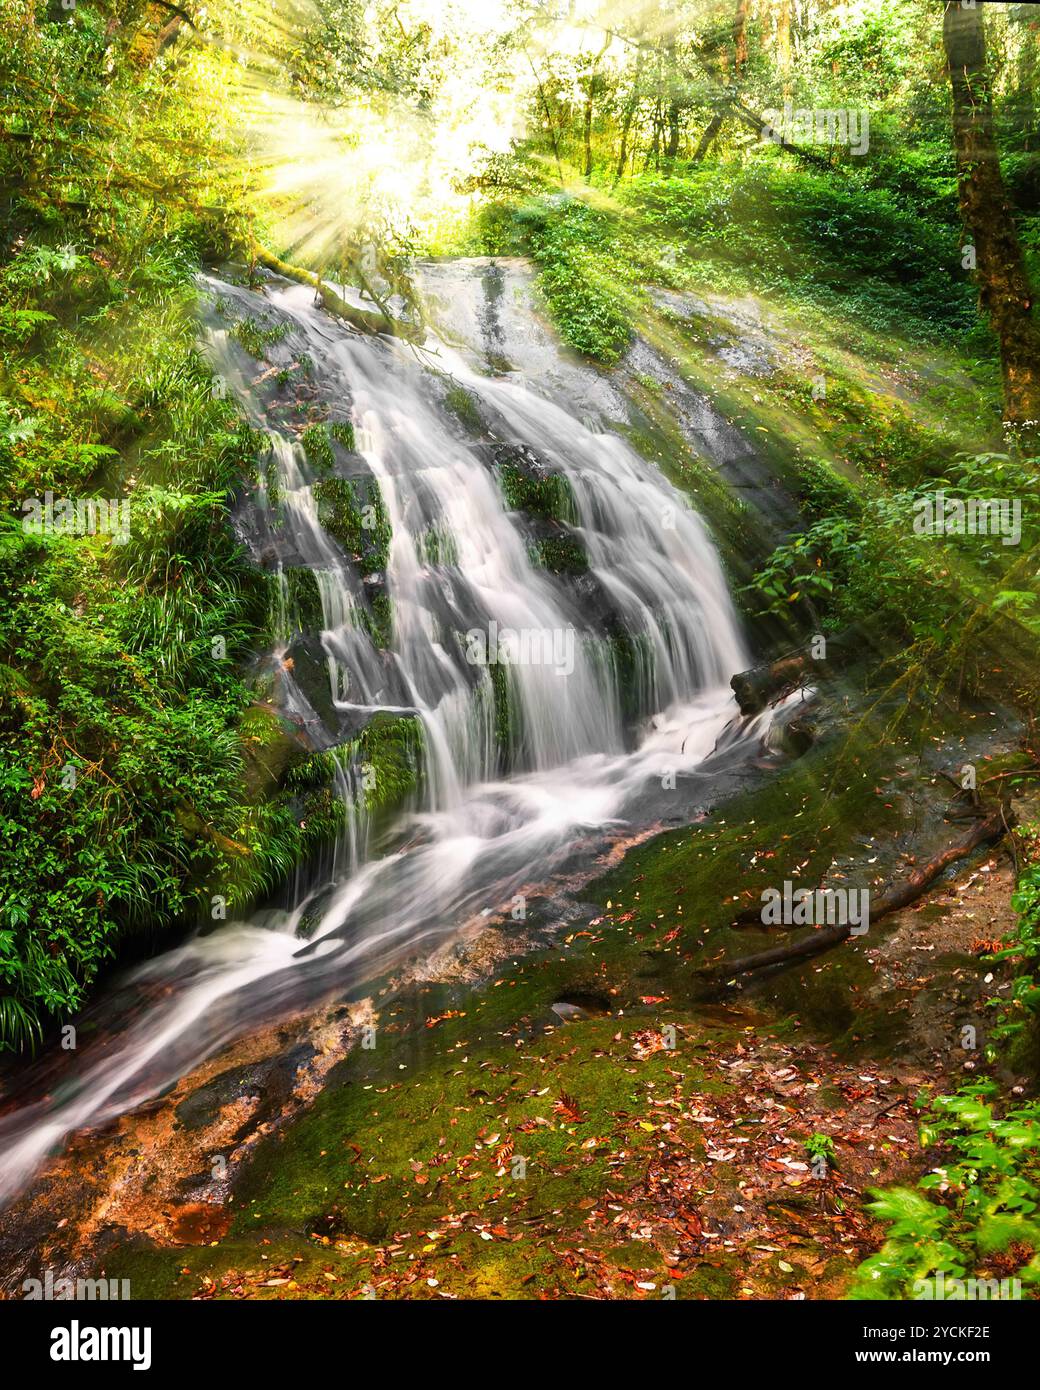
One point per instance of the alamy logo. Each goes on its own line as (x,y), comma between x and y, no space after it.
(77,1343)
(72,516)
(817,126)
(60,1290)
(804,907)
(935,514)
(526,646)
(942,1288)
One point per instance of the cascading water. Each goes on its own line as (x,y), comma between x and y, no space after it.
(588,734)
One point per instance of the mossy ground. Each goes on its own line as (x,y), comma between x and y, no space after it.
(647,1170)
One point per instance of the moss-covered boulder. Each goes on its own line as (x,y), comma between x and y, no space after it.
(389,753)
(352,512)
(560,554)
(303,605)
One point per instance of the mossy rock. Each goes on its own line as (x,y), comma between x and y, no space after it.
(271,748)
(390,751)
(317,440)
(559,554)
(317,446)
(342,431)
(303,599)
(353,513)
(256,336)
(547,496)
(629,659)
(380,619)
(462,405)
(507,732)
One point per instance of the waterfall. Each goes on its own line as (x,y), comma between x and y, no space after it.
(589,735)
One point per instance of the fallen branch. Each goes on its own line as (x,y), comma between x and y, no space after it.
(365,320)
(759,686)
(989,830)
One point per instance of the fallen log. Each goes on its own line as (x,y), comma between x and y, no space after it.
(365,320)
(897,896)
(760,685)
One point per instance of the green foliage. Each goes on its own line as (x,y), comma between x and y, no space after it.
(981,1203)
(976,1215)
(392,748)
(548,497)
(353,512)
(303,599)
(122,795)
(1017,1011)
(256,337)
(342,431)
(129,788)
(837,242)
(560,554)
(862,561)
(316,445)
(461,403)
(820,1146)
(437,545)
(581,280)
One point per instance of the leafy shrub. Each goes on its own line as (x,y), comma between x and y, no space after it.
(863,562)
(974,1215)
(582,278)
(832,239)
(1017,1013)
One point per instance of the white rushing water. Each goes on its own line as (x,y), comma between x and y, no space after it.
(479,836)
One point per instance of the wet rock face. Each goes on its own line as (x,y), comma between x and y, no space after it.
(737,330)
(489,309)
(728,451)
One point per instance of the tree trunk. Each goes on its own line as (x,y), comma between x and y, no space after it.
(590,98)
(550,123)
(674,105)
(740,47)
(365,320)
(630,111)
(783,43)
(654,154)
(1004,292)
(711,130)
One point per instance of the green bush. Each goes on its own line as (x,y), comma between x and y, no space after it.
(582,279)
(975,1214)
(1017,1013)
(834,239)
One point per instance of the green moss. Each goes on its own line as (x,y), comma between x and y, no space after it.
(390,751)
(436,546)
(789,829)
(256,336)
(381,620)
(303,599)
(409,1152)
(353,513)
(271,748)
(559,554)
(419,1112)
(506,731)
(462,404)
(627,659)
(548,497)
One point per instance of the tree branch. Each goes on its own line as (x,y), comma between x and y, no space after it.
(897,896)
